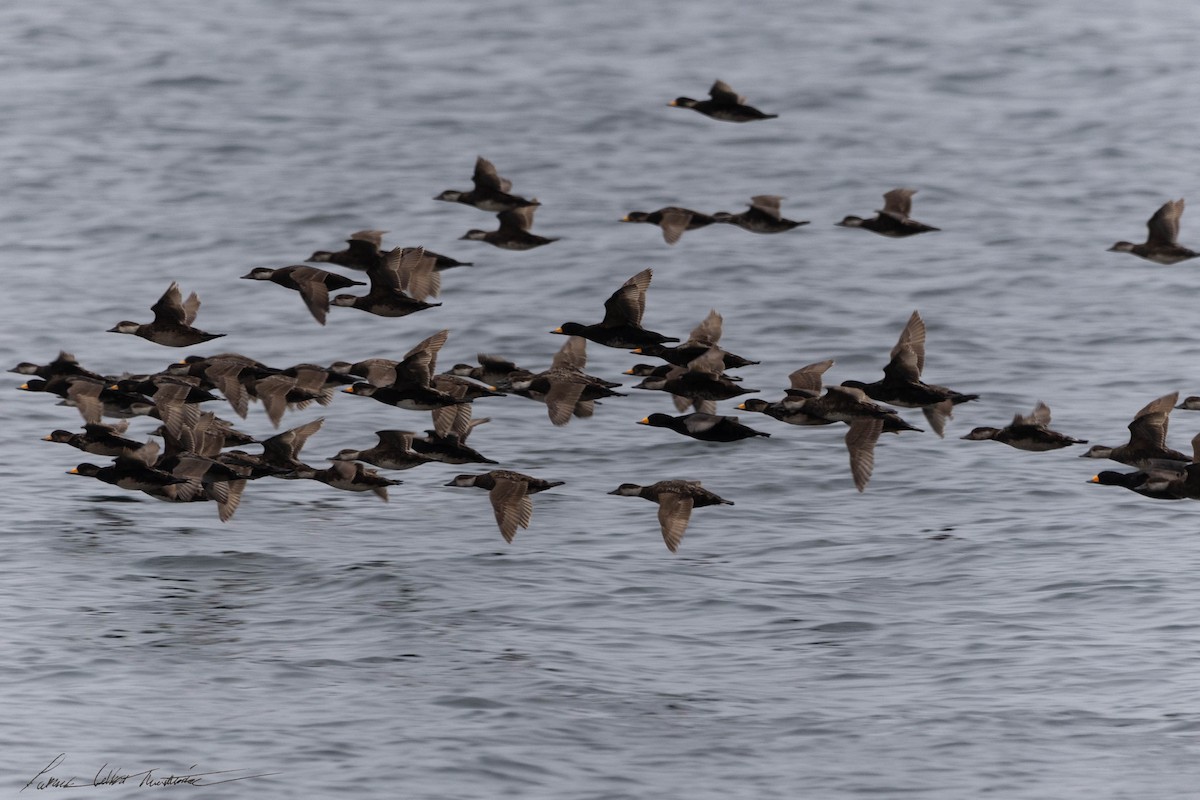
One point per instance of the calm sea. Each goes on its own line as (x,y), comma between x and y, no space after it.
(981,622)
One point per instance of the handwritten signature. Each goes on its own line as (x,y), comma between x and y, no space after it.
(107,776)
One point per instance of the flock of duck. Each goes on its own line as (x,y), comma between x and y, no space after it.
(202,457)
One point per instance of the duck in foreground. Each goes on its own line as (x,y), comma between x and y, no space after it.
(399,284)
(1147,445)
(705,427)
(673,220)
(1027,432)
(763,216)
(172,325)
(622,323)
(893,219)
(509,492)
(1167,482)
(676,499)
(1161,245)
(723,103)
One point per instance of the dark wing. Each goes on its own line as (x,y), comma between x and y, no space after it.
(169,310)
(453,418)
(1164,225)
(1039,416)
(371,239)
(937,414)
(1150,424)
(807,379)
(517,219)
(623,307)
(860,442)
(385,275)
(395,440)
(572,355)
(903,367)
(418,276)
(85,394)
(486,179)
(702,423)
(913,337)
(420,363)
(673,223)
(626,305)
(707,332)
(512,506)
(561,400)
(898,203)
(380,371)
(310,282)
(175,413)
(711,362)
(284,447)
(722,93)
(768,204)
(674,511)
(225,375)
(273,391)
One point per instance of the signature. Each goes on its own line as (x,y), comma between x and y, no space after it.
(109,776)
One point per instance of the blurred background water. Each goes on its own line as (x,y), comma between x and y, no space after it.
(979,622)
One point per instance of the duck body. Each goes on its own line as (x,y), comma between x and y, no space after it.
(312,283)
(723,104)
(172,321)
(1027,432)
(675,499)
(509,493)
(673,221)
(394,451)
(1162,239)
(622,323)
(763,216)
(513,233)
(1147,446)
(705,427)
(490,192)
(893,219)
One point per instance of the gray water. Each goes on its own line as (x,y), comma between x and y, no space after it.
(980,622)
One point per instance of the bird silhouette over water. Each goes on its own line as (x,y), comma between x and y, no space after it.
(675,499)
(723,103)
(1027,432)
(1147,438)
(491,192)
(893,219)
(763,216)
(172,325)
(509,492)
(673,220)
(622,323)
(1162,238)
